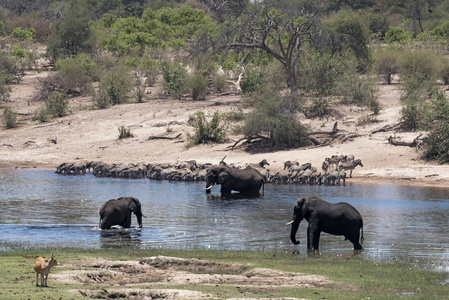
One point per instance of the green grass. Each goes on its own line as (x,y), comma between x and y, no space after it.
(355,278)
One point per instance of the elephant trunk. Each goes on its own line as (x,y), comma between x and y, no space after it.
(295,226)
(139,220)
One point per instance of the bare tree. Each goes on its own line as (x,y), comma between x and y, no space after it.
(280,33)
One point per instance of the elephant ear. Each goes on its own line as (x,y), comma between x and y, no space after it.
(223,176)
(300,209)
(133,205)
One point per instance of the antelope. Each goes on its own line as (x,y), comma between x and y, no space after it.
(42,266)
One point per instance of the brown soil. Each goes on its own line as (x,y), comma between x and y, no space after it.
(158,278)
(88,134)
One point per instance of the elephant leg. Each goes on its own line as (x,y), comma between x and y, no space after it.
(313,237)
(354,239)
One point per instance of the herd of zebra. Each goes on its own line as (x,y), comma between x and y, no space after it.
(333,170)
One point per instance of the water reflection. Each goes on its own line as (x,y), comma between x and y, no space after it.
(41,209)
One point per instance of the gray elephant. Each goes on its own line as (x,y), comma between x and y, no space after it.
(118,212)
(246,181)
(337,219)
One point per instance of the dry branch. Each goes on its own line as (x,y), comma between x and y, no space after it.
(163,137)
(388,128)
(415,143)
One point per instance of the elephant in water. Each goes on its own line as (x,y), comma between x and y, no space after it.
(337,219)
(118,212)
(246,181)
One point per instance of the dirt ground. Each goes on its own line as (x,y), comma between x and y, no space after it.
(160,277)
(92,135)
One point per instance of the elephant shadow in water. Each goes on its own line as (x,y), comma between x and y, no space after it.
(118,237)
(232,196)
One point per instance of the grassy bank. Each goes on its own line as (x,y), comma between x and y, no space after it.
(87,273)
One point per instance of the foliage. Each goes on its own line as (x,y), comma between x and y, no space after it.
(165,27)
(175,77)
(4,90)
(9,117)
(8,68)
(421,63)
(386,62)
(57,104)
(415,91)
(213,131)
(76,73)
(219,81)
(443,69)
(124,132)
(274,117)
(436,144)
(23,34)
(398,35)
(359,89)
(198,86)
(276,31)
(71,35)
(2,28)
(145,67)
(252,81)
(115,87)
(349,31)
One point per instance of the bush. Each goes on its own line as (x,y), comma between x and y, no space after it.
(115,87)
(9,117)
(252,81)
(386,63)
(219,81)
(23,34)
(198,86)
(443,71)
(423,62)
(436,145)
(360,90)
(76,73)
(4,90)
(416,90)
(208,131)
(124,132)
(57,104)
(274,117)
(174,79)
(398,35)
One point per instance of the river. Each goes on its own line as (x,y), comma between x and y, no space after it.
(44,210)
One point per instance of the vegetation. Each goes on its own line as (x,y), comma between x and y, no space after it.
(352,278)
(323,53)
(9,117)
(124,132)
(212,131)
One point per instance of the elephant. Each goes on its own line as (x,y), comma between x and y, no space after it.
(246,181)
(118,212)
(336,219)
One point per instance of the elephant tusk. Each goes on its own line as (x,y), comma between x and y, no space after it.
(207,188)
(291,222)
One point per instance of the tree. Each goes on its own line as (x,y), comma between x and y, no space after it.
(280,33)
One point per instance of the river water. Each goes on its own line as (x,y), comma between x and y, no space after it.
(44,210)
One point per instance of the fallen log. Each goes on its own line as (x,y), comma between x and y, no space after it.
(415,143)
(388,128)
(163,137)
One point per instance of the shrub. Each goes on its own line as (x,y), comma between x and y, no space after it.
(423,62)
(208,131)
(219,81)
(386,63)
(57,104)
(436,144)
(4,90)
(359,89)
(124,132)
(8,68)
(274,117)
(174,79)
(398,35)
(115,86)
(252,81)
(9,117)
(443,71)
(23,34)
(415,91)
(42,115)
(198,86)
